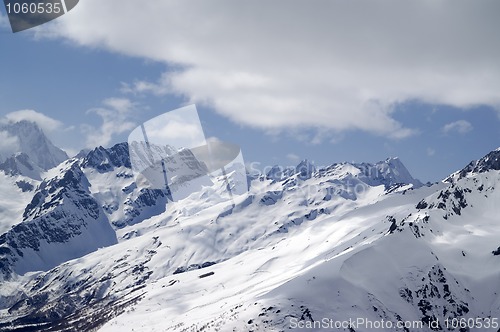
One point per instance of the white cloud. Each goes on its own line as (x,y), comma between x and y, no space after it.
(339,65)
(460,126)
(115,120)
(8,144)
(180,128)
(431,152)
(43,121)
(121,105)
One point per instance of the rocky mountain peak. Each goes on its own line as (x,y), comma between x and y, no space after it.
(489,162)
(33,142)
(392,171)
(305,169)
(104,159)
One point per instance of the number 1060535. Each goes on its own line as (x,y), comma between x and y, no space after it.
(34,8)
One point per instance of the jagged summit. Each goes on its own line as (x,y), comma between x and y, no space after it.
(390,172)
(31,140)
(305,169)
(487,163)
(278,173)
(106,159)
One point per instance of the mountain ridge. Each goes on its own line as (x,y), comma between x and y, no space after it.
(289,242)
(490,161)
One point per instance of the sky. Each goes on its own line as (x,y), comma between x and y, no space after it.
(329,81)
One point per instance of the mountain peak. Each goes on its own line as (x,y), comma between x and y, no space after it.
(489,162)
(395,161)
(105,159)
(32,141)
(393,171)
(389,172)
(278,173)
(305,169)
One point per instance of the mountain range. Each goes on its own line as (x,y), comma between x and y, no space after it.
(84,247)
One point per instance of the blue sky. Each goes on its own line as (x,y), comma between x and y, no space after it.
(281,90)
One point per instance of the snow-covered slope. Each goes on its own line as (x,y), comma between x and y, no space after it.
(344,242)
(21,164)
(427,259)
(15,193)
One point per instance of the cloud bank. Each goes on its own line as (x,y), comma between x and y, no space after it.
(331,65)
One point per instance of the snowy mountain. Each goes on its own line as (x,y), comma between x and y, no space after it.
(22,169)
(390,172)
(61,222)
(489,162)
(32,142)
(304,247)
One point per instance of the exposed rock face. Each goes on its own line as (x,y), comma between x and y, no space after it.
(62,214)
